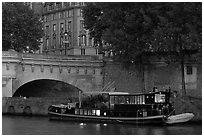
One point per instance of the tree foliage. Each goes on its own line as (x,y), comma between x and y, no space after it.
(21,28)
(132,29)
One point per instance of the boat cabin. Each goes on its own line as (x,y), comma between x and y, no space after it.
(148,104)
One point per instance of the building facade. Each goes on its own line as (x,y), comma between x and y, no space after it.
(64,30)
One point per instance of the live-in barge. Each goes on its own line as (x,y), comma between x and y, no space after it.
(120,107)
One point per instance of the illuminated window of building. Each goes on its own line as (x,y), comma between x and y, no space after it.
(54,28)
(80,12)
(189,70)
(83,40)
(61,27)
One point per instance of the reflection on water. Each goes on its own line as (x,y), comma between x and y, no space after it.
(19,125)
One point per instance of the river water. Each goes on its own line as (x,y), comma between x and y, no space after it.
(21,125)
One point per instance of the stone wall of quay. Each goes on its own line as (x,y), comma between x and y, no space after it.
(30,106)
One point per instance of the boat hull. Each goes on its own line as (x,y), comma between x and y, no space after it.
(102,119)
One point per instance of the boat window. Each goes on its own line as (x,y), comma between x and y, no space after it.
(89,112)
(159,98)
(77,111)
(143,99)
(136,99)
(127,100)
(116,100)
(112,100)
(132,99)
(85,111)
(81,112)
(140,99)
(121,99)
(98,112)
(93,112)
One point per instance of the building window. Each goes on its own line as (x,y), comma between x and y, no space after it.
(67,14)
(61,27)
(69,25)
(80,12)
(50,7)
(62,15)
(83,40)
(82,51)
(61,41)
(45,18)
(189,70)
(55,16)
(54,43)
(47,30)
(47,44)
(70,13)
(52,16)
(81,24)
(54,28)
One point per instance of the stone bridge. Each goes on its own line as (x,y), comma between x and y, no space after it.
(82,72)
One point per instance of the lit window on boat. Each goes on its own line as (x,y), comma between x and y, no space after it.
(159,98)
(77,111)
(93,112)
(85,111)
(137,99)
(143,99)
(89,112)
(98,112)
(127,100)
(81,112)
(104,113)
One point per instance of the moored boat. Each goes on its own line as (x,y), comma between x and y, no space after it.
(119,107)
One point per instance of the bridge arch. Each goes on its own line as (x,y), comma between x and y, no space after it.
(47,88)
